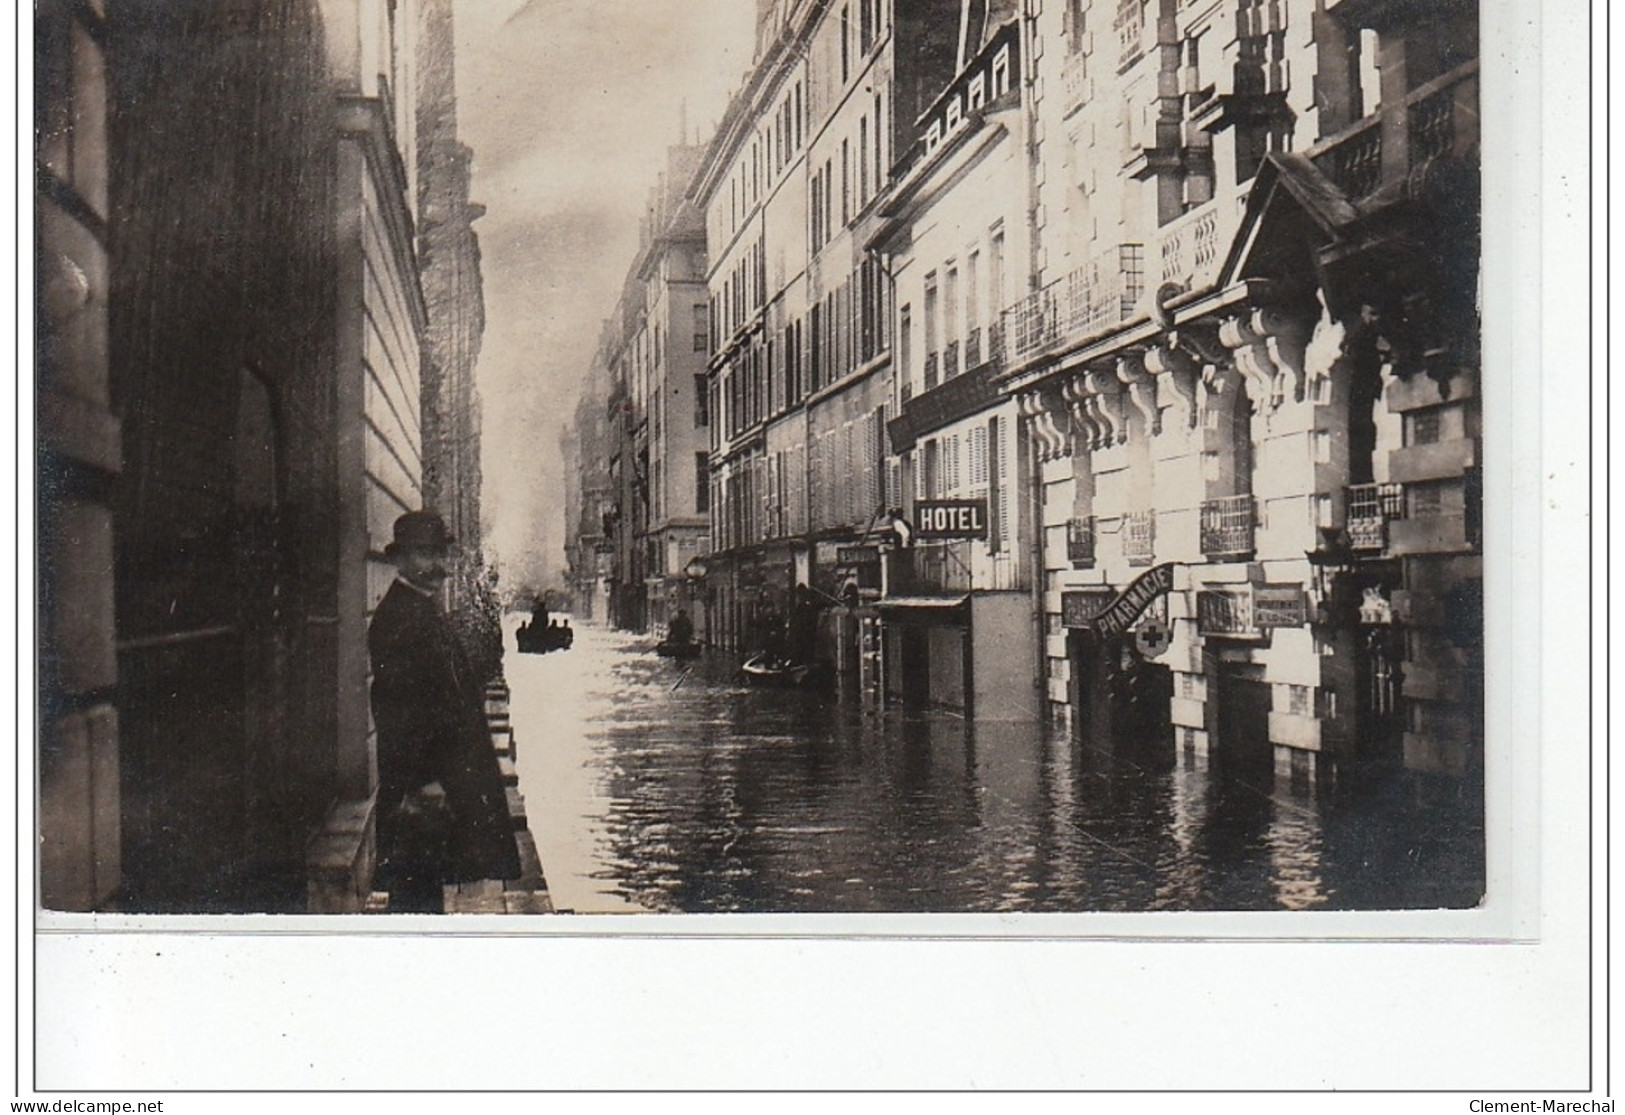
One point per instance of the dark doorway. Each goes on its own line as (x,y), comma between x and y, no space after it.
(1243,719)
(1121,701)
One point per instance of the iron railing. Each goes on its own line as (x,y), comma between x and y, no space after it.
(1227,526)
(1371,507)
(1140,537)
(1080,542)
(1084,304)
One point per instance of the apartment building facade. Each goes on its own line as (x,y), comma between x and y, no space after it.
(799,370)
(1113,362)
(1236,204)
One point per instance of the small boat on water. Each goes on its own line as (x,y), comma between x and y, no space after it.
(768,670)
(534,639)
(680,651)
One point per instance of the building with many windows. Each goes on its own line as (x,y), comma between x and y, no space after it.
(1112,361)
(799,370)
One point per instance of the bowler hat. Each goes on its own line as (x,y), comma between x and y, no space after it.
(419,530)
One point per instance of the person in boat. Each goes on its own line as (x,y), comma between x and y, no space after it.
(681,631)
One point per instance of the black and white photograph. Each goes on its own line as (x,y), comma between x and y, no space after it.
(789,467)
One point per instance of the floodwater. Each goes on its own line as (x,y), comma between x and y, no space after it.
(654,785)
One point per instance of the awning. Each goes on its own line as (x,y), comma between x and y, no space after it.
(926,609)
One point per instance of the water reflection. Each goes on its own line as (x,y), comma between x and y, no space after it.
(699,794)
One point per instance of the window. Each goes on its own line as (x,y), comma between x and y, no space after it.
(846,44)
(863,160)
(846,185)
(973,311)
(702,408)
(1001,73)
(816,211)
(998,514)
(702,338)
(905,349)
(930,316)
(995,275)
(880,156)
(702,483)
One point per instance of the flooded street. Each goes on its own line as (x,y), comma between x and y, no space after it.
(654,785)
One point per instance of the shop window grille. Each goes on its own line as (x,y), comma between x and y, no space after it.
(1371,507)
(1227,527)
(1139,537)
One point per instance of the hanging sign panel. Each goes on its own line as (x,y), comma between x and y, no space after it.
(1279,606)
(1079,607)
(1226,612)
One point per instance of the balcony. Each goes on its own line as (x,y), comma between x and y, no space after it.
(1437,119)
(1190,248)
(1226,527)
(1080,542)
(931,378)
(1081,306)
(973,349)
(1371,507)
(1140,537)
(950,360)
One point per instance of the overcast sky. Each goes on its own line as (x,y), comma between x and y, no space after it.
(569,106)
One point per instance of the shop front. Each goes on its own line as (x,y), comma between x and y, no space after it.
(1121,689)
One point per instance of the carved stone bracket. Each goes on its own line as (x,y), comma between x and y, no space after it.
(1180,371)
(1285,336)
(1142,390)
(1108,392)
(1086,423)
(1049,423)
(1252,356)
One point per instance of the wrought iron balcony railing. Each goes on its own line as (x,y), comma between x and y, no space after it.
(930,370)
(950,360)
(973,349)
(1227,527)
(1080,542)
(1081,305)
(1140,537)
(1371,507)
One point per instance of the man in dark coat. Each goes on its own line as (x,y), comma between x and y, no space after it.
(428,706)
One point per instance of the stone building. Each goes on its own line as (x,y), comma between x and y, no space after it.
(1161,317)
(250,416)
(1250,356)
(799,307)
(956,613)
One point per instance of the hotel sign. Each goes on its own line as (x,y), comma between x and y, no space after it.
(936,519)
